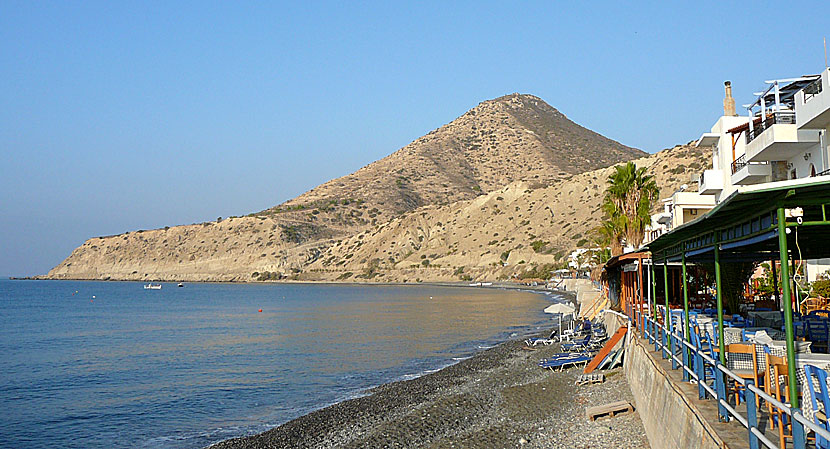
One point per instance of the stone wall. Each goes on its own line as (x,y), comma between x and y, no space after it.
(670,419)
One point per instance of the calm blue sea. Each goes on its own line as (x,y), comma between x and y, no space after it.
(109,364)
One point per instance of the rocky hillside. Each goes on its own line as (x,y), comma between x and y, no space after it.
(509,231)
(516,140)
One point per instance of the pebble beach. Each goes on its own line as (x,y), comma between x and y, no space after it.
(498,398)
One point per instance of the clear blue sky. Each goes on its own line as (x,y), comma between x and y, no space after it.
(118,116)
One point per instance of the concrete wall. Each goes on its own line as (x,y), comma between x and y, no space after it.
(668,417)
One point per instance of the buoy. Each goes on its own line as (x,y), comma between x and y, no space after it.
(93,296)
(260,310)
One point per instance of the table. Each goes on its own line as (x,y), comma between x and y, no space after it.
(770,318)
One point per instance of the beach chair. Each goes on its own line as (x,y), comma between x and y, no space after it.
(819,400)
(579,345)
(539,341)
(566,330)
(565,359)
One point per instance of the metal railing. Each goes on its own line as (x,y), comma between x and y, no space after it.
(739,163)
(812,89)
(694,361)
(782,117)
(823,173)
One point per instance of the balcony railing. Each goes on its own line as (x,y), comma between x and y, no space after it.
(823,173)
(784,117)
(812,90)
(739,163)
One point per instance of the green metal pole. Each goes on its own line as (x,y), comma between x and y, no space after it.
(788,305)
(654,298)
(688,328)
(654,289)
(686,301)
(719,292)
(668,322)
(775,284)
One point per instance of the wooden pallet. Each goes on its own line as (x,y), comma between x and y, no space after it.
(610,410)
(590,379)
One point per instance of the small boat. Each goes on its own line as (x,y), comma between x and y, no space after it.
(152,287)
(181,284)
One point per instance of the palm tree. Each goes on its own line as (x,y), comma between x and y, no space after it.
(630,195)
(610,233)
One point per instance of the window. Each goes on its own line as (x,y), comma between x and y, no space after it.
(793,174)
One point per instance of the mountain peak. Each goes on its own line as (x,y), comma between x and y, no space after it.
(516,138)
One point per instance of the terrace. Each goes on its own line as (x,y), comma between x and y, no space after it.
(729,366)
(773,134)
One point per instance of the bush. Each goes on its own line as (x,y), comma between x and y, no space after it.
(538,245)
(821,288)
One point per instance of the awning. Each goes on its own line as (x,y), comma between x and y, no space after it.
(745,224)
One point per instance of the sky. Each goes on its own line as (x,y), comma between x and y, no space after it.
(119,116)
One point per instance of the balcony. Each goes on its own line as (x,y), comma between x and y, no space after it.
(812,104)
(777,138)
(747,173)
(710,182)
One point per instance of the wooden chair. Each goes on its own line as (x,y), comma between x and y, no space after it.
(810,304)
(777,368)
(744,373)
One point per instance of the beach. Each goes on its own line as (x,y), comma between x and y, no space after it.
(497,398)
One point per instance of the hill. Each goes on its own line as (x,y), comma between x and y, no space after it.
(512,140)
(514,230)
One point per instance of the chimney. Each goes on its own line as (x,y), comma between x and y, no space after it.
(728,101)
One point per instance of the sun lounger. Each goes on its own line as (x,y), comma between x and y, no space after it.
(578,345)
(539,341)
(563,360)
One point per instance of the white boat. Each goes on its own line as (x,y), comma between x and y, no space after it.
(152,287)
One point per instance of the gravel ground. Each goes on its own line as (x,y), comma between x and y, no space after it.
(499,398)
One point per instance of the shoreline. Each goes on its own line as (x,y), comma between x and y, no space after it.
(498,397)
(528,288)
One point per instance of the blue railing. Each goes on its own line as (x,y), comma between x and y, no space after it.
(682,353)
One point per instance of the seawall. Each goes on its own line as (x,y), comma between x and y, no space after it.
(670,418)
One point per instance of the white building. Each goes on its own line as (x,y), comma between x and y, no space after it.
(681,207)
(782,138)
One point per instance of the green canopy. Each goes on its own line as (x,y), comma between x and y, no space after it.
(745,224)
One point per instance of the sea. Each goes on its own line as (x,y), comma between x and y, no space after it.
(111,365)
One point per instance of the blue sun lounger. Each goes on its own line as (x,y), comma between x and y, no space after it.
(561,360)
(577,345)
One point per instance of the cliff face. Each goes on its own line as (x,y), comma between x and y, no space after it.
(505,167)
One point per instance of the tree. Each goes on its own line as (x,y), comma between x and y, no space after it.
(733,278)
(629,196)
(610,232)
